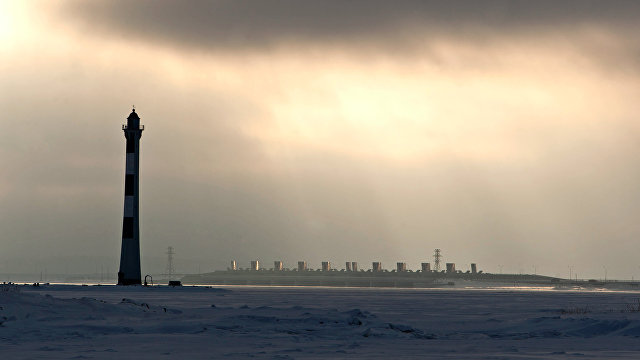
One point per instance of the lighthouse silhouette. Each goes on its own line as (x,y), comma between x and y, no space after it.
(129,273)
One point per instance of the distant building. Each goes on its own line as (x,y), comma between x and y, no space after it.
(401,267)
(474,268)
(376,266)
(347,266)
(234,265)
(451,267)
(354,266)
(426,267)
(302,266)
(326,266)
(255,265)
(277,265)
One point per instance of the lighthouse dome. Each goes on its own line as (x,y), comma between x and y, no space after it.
(133,115)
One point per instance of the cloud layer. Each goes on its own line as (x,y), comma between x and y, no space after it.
(259,24)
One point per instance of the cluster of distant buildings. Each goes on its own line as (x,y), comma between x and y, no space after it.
(352,266)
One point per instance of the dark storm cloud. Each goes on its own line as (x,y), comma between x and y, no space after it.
(228,24)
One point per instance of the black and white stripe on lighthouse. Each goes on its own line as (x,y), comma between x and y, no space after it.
(129,273)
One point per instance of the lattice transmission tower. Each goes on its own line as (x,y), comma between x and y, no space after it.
(170,270)
(437,257)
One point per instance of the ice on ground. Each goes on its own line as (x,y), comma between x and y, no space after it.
(105,322)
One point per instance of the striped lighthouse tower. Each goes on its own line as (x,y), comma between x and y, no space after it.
(129,273)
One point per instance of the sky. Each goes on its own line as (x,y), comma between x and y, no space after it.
(505,133)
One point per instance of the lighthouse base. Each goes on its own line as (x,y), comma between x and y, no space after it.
(123,281)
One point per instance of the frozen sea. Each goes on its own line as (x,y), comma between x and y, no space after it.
(109,322)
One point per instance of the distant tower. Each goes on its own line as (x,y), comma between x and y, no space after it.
(129,273)
(170,270)
(376,266)
(401,267)
(255,265)
(451,267)
(437,256)
(302,266)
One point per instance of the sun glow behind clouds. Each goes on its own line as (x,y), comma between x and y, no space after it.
(411,110)
(10,14)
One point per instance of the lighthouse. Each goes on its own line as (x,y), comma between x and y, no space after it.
(129,273)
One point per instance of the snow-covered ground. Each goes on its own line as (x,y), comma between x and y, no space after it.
(109,322)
